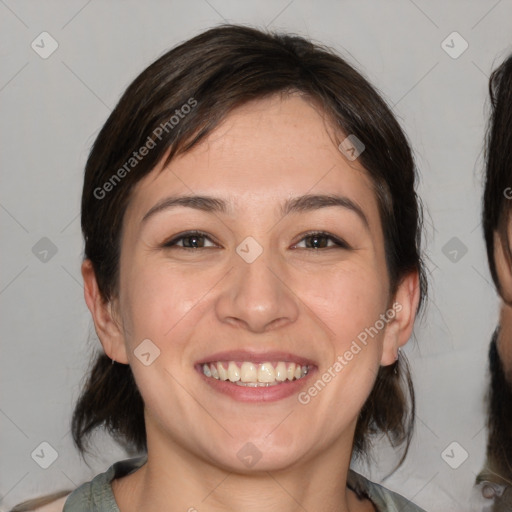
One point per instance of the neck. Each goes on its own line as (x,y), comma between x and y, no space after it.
(174,480)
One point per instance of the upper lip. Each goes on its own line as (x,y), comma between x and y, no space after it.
(256,357)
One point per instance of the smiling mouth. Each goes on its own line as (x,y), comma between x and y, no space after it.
(249,374)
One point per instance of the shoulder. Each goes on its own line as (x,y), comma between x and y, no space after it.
(97,494)
(48,503)
(384,499)
(54,506)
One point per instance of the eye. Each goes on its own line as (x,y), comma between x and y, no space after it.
(190,240)
(321,240)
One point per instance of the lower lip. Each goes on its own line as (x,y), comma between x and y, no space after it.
(260,393)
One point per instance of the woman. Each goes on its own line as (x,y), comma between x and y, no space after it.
(494,483)
(252,267)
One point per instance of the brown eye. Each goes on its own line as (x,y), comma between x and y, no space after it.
(191,240)
(317,241)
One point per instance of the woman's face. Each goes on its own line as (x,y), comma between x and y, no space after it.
(256,286)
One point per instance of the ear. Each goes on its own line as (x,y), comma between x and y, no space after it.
(503,268)
(107,327)
(399,327)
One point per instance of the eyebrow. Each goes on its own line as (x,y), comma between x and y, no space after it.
(294,205)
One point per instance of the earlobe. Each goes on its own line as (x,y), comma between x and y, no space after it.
(107,328)
(399,329)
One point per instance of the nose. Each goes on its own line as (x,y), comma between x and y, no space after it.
(256,296)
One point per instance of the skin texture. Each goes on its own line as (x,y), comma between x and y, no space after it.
(308,302)
(504,272)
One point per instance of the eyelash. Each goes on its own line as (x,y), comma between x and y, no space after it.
(338,243)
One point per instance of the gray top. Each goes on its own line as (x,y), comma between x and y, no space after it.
(97,496)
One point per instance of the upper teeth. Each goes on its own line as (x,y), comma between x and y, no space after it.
(254,373)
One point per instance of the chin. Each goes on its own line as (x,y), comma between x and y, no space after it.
(254,453)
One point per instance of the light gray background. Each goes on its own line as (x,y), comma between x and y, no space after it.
(52,110)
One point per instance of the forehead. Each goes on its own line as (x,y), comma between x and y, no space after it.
(267,150)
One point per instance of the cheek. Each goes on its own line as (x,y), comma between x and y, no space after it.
(165,304)
(349,304)
(161,306)
(348,301)
(154,301)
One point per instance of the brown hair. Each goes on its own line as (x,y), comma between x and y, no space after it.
(499,418)
(497,198)
(213,73)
